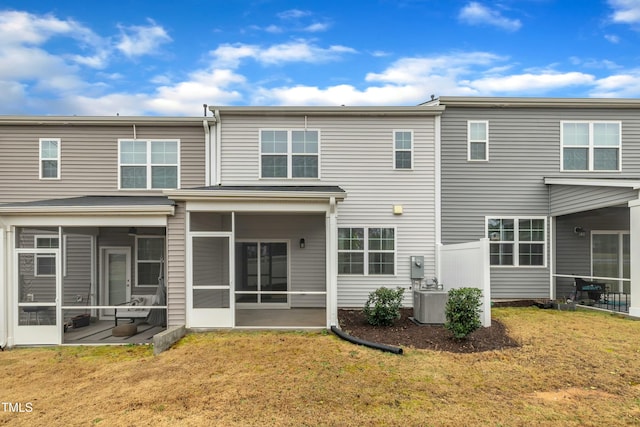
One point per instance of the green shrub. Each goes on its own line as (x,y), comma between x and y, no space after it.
(463,311)
(383,306)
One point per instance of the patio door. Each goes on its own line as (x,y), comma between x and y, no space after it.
(210,282)
(36,296)
(262,274)
(116,280)
(610,257)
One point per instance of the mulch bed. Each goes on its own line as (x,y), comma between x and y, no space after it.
(405,333)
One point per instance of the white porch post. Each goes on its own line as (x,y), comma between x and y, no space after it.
(331,259)
(634,216)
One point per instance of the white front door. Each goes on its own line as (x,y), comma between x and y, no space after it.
(210,282)
(36,296)
(116,277)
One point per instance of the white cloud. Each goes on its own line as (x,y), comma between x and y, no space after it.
(530,83)
(625,11)
(625,85)
(316,27)
(138,40)
(293,14)
(475,13)
(612,38)
(228,55)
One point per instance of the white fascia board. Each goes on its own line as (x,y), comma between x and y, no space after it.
(420,110)
(101,120)
(594,182)
(215,195)
(522,102)
(88,210)
(122,220)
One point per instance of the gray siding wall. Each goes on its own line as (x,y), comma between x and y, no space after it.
(176,279)
(89,160)
(524,147)
(356,153)
(566,199)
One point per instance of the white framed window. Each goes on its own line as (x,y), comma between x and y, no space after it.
(149,259)
(49,158)
(403,149)
(477,140)
(148,164)
(45,263)
(367,251)
(517,241)
(591,145)
(289,153)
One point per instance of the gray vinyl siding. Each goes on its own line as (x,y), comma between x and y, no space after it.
(307,266)
(524,148)
(356,153)
(573,252)
(565,199)
(78,278)
(176,272)
(89,160)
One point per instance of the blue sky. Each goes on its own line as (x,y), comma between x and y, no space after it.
(168,57)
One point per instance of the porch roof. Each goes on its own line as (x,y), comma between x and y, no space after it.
(568,195)
(283,192)
(93,204)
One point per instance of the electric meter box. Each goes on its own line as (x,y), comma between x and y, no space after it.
(417,267)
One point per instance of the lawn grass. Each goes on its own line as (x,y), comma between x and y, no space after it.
(577,368)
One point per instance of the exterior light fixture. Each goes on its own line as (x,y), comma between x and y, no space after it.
(302,244)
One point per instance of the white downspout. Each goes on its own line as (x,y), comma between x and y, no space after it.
(438,194)
(3,289)
(207,153)
(218,147)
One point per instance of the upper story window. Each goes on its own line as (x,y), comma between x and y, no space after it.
(149,164)
(591,146)
(370,247)
(518,242)
(403,149)
(477,140)
(49,158)
(289,153)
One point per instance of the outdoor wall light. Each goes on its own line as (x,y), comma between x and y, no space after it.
(132,231)
(302,244)
(579,231)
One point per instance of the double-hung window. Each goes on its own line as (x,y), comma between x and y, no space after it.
(149,259)
(45,263)
(149,164)
(366,250)
(403,149)
(289,153)
(517,241)
(477,140)
(591,146)
(49,158)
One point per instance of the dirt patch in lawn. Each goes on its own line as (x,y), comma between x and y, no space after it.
(406,333)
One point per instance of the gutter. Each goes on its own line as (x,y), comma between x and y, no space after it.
(207,149)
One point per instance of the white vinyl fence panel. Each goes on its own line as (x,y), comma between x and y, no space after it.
(466,265)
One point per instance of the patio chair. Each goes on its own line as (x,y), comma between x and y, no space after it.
(593,289)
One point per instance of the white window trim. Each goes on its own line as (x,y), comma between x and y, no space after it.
(396,150)
(590,147)
(289,154)
(486,141)
(41,159)
(516,242)
(366,250)
(137,261)
(148,164)
(47,255)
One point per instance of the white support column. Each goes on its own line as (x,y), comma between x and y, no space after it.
(3,292)
(331,259)
(634,216)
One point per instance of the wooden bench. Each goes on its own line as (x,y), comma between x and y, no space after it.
(131,310)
